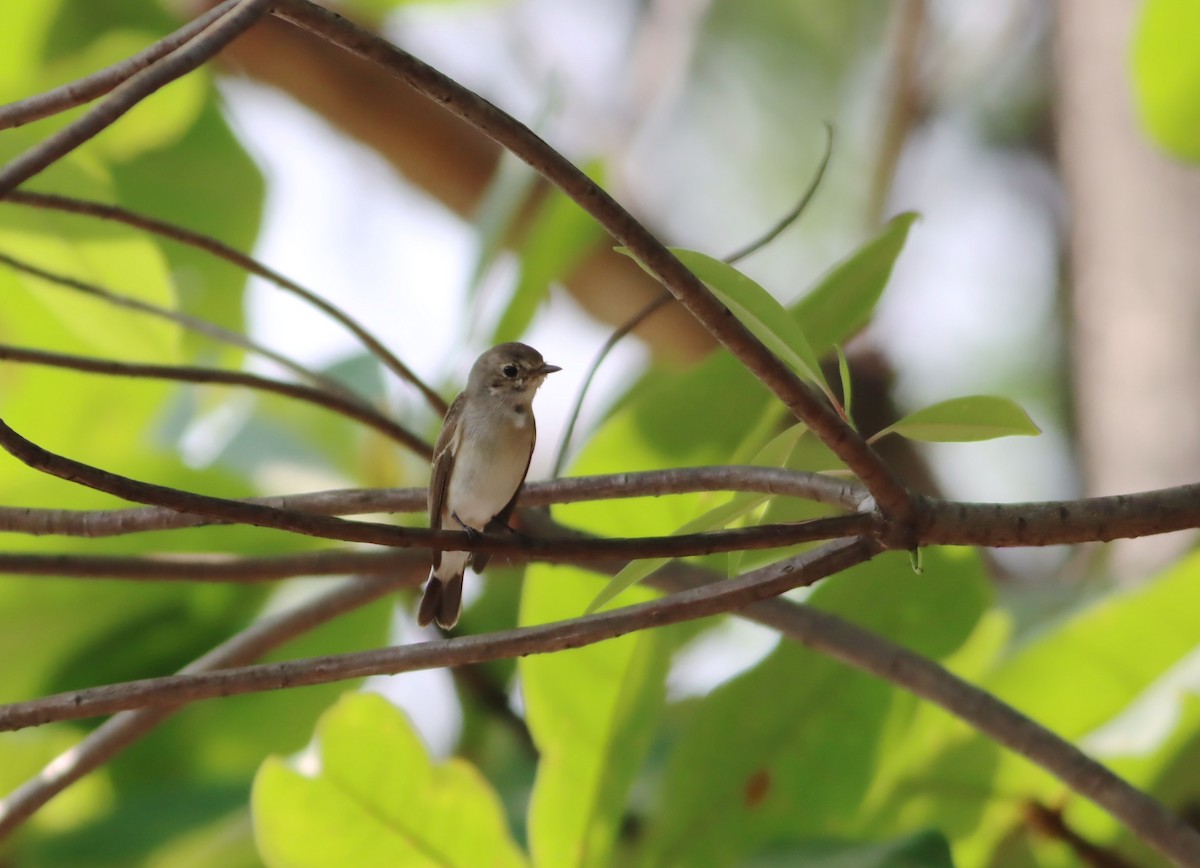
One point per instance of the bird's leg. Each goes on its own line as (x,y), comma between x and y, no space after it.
(472,533)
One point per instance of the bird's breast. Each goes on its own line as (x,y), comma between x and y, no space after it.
(489,466)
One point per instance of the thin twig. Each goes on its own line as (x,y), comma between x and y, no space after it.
(84,90)
(623,331)
(220,250)
(893,498)
(178,63)
(114,735)
(618,334)
(904,105)
(191,374)
(196,324)
(797,210)
(329,527)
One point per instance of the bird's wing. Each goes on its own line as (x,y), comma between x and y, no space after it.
(443,463)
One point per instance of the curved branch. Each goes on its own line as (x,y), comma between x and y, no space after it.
(84,90)
(190,374)
(196,324)
(891,495)
(178,63)
(235,257)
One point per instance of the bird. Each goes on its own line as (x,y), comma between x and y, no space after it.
(479,464)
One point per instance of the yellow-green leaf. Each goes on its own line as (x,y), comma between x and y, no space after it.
(377,800)
(1166,74)
(962,420)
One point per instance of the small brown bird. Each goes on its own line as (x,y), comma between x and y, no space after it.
(479,463)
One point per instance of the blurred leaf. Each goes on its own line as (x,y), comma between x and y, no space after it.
(757,309)
(591,712)
(923,850)
(955,773)
(120,261)
(748,772)
(557,238)
(1166,75)
(963,420)
(377,800)
(843,300)
(206,181)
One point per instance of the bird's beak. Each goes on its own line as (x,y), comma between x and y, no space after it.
(548,369)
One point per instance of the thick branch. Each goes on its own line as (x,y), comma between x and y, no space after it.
(1093,519)
(889,493)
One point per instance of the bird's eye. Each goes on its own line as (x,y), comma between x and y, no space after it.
(509,371)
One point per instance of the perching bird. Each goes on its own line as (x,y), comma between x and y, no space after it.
(479,462)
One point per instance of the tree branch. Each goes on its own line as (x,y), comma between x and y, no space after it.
(198,240)
(688,605)
(84,90)
(891,495)
(328,527)
(190,55)
(190,374)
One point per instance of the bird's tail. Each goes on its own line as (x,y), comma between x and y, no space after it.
(442,601)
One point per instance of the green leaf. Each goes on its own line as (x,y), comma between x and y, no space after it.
(788,750)
(377,800)
(591,712)
(1166,75)
(847,384)
(964,420)
(758,310)
(843,300)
